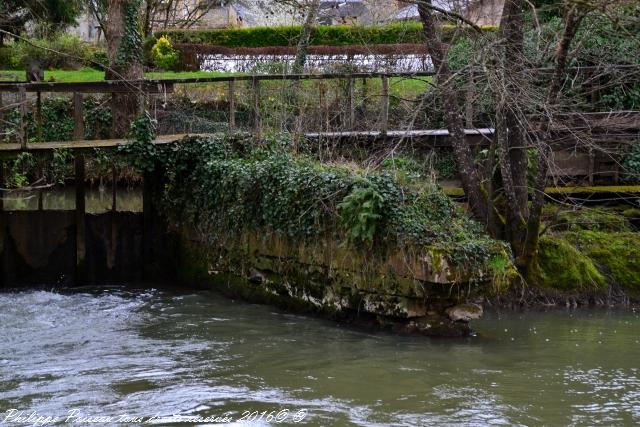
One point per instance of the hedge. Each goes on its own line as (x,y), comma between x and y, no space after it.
(333,35)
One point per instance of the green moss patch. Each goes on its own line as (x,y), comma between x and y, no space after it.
(617,255)
(595,219)
(561,266)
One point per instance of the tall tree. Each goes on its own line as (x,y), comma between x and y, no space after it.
(514,218)
(124,47)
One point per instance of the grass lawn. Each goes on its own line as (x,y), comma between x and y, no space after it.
(91,75)
(398,86)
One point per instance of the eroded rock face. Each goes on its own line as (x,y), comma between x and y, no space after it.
(408,297)
(464,312)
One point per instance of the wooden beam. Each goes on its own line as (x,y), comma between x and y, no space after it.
(592,164)
(167,85)
(231,94)
(2,184)
(257,120)
(81,249)
(78,116)
(114,187)
(106,86)
(39,117)
(1,109)
(351,112)
(385,106)
(22,129)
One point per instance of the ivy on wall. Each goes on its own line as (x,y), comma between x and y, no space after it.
(227,187)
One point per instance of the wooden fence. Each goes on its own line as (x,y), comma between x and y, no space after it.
(612,126)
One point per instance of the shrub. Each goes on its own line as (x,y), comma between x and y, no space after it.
(73,53)
(98,58)
(333,35)
(164,55)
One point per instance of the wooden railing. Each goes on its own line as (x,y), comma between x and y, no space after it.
(166,86)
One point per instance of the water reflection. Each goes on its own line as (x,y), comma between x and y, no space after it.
(152,352)
(97,200)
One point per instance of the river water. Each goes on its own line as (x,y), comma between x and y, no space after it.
(156,354)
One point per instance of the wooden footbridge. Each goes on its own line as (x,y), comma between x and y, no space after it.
(597,161)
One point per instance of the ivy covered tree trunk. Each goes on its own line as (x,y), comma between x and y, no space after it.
(124,46)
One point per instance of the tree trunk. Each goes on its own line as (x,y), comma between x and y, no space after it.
(510,129)
(573,19)
(305,36)
(147,25)
(124,47)
(453,114)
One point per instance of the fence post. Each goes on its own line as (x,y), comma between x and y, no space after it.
(256,108)
(39,116)
(364,97)
(81,249)
(351,116)
(1,109)
(232,106)
(385,105)
(22,131)
(592,164)
(78,119)
(2,184)
(114,186)
(322,104)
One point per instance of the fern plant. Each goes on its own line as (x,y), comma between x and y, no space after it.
(360,214)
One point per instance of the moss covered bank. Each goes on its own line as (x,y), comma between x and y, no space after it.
(261,222)
(257,221)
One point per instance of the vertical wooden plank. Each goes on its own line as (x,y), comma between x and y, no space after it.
(592,162)
(321,103)
(78,119)
(1,110)
(39,116)
(385,105)
(114,187)
(22,131)
(81,250)
(365,95)
(257,121)
(3,221)
(2,184)
(232,106)
(351,116)
(152,182)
